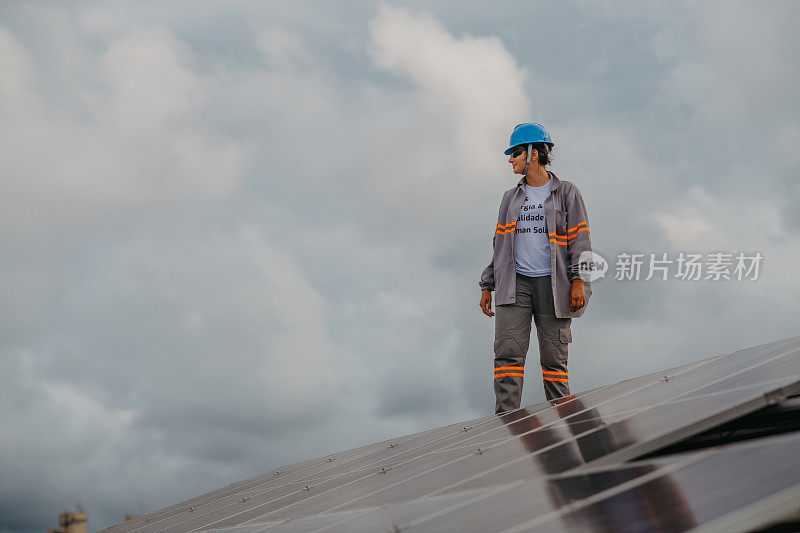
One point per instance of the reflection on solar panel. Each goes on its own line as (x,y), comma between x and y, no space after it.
(566,465)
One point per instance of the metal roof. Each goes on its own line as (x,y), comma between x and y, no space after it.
(564,465)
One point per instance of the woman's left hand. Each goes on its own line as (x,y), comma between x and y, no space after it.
(577,298)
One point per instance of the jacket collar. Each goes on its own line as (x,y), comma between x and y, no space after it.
(553,178)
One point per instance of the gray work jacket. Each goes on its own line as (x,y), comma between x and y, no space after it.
(568,232)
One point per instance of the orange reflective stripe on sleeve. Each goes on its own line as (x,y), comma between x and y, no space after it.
(563,243)
(565,237)
(502,229)
(577,226)
(562,239)
(576,233)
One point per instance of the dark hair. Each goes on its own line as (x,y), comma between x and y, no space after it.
(544,153)
(544,150)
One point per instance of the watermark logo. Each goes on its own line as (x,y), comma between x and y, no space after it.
(591,266)
(687,266)
(684,266)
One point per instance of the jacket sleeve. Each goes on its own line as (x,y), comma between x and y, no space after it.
(487,278)
(578,235)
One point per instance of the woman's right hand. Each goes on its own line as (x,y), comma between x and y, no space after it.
(486,302)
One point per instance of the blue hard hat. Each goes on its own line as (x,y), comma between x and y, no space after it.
(526,133)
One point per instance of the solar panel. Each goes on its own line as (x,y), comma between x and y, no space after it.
(699,489)
(564,458)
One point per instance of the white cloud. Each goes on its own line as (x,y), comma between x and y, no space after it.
(150,80)
(695,222)
(735,72)
(472,85)
(17,79)
(283,49)
(141,147)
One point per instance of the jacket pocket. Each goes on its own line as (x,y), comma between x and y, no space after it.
(565,333)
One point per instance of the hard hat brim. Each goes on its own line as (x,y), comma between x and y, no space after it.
(511,148)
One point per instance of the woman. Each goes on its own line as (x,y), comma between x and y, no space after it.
(542,230)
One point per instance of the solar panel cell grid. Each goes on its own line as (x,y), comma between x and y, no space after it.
(499,472)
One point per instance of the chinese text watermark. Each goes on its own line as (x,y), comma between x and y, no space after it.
(684,266)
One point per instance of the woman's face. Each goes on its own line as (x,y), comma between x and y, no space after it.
(518,162)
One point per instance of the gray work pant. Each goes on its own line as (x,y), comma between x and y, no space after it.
(534,299)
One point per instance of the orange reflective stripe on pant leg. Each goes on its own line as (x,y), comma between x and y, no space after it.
(554,373)
(554,379)
(499,371)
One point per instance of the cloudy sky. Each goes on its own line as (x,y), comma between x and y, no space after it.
(236,235)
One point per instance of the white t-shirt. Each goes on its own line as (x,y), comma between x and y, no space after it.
(532,245)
